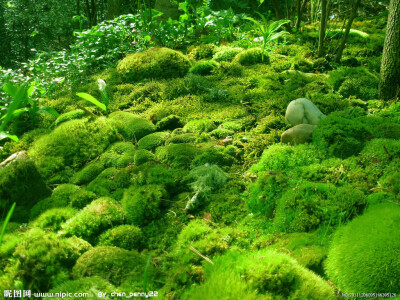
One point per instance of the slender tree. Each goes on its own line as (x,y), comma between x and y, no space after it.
(301,4)
(353,15)
(322,29)
(389,85)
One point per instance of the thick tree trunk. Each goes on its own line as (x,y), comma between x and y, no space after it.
(322,29)
(390,68)
(353,15)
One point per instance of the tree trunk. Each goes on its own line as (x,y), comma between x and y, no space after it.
(322,29)
(353,15)
(113,9)
(300,9)
(390,67)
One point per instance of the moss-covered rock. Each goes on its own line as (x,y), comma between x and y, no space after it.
(71,115)
(225,53)
(21,183)
(215,156)
(72,144)
(53,218)
(127,237)
(203,51)
(82,198)
(152,141)
(142,204)
(110,263)
(143,156)
(153,63)
(364,253)
(88,173)
(252,56)
(170,122)
(110,183)
(177,155)
(98,216)
(199,126)
(131,126)
(204,68)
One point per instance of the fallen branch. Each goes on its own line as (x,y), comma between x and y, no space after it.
(201,255)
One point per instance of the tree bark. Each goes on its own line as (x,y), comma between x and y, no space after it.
(353,15)
(390,68)
(300,9)
(322,29)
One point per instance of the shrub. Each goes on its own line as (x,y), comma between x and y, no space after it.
(131,126)
(226,53)
(53,218)
(98,216)
(169,123)
(309,205)
(177,155)
(142,156)
(110,263)
(72,144)
(42,260)
(143,204)
(364,253)
(252,56)
(199,126)
(281,157)
(267,274)
(127,237)
(203,68)
(340,137)
(91,285)
(71,115)
(152,141)
(153,63)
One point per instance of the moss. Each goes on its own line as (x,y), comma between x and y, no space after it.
(364,253)
(127,237)
(110,183)
(340,137)
(362,87)
(169,123)
(185,138)
(152,141)
(265,274)
(390,179)
(283,157)
(153,63)
(214,157)
(21,183)
(204,68)
(142,156)
(252,56)
(82,198)
(203,51)
(110,263)
(98,216)
(42,260)
(198,126)
(53,218)
(91,285)
(221,133)
(229,69)
(63,193)
(225,53)
(143,204)
(71,115)
(119,155)
(72,144)
(321,65)
(269,123)
(131,126)
(177,155)
(309,205)
(88,173)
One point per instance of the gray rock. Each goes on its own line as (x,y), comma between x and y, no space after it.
(298,134)
(303,111)
(20,182)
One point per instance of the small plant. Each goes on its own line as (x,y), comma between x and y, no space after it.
(269,32)
(3,230)
(102,88)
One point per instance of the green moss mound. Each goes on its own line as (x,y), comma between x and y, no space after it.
(143,156)
(72,144)
(110,263)
(310,205)
(152,141)
(199,126)
(252,56)
(71,115)
(88,173)
(364,255)
(225,53)
(340,137)
(153,63)
(264,274)
(204,68)
(177,155)
(170,122)
(142,204)
(91,285)
(130,126)
(82,198)
(53,218)
(203,51)
(127,237)
(98,216)
(218,156)
(110,183)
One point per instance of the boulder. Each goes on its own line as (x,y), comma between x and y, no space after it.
(298,134)
(303,111)
(20,182)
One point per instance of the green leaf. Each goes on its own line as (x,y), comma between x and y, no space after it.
(3,230)
(4,135)
(277,35)
(16,113)
(92,99)
(19,97)
(156,13)
(47,110)
(10,89)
